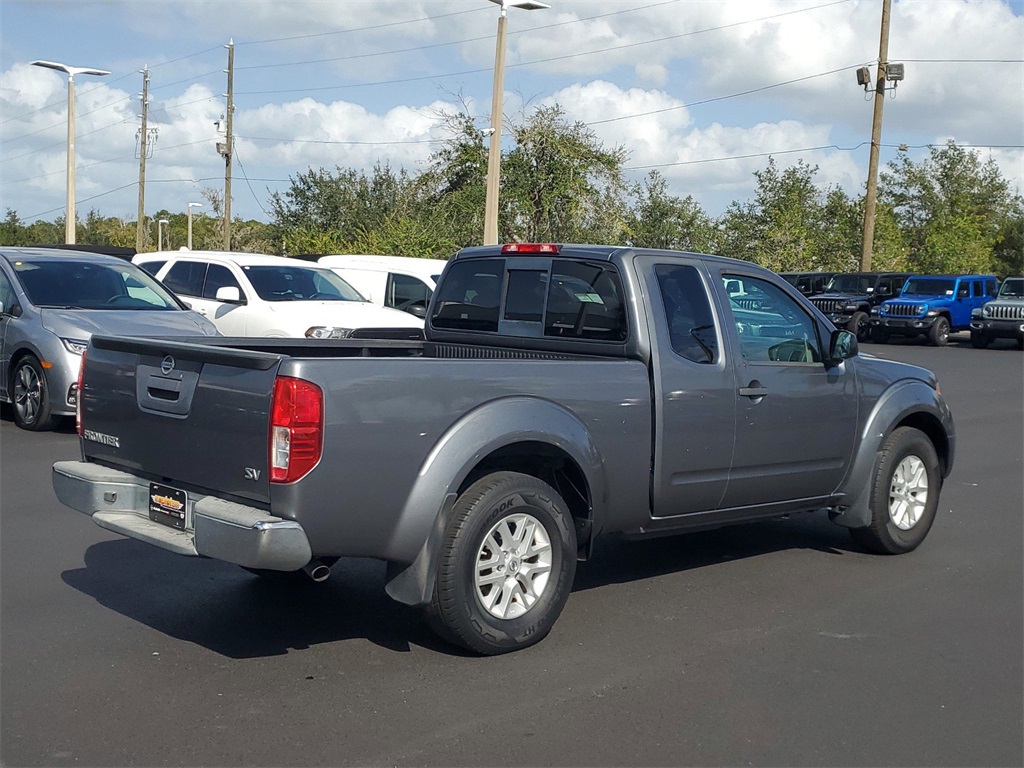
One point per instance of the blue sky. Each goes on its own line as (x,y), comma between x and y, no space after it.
(701,90)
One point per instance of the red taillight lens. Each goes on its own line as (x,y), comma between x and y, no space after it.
(78,396)
(529,248)
(296,429)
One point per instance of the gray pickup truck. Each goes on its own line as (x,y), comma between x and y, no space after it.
(561,393)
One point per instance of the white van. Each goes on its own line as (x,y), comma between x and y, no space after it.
(251,294)
(401,282)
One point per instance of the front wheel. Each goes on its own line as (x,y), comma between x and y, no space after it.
(858,326)
(30,396)
(904,494)
(506,566)
(879,335)
(938,334)
(979,340)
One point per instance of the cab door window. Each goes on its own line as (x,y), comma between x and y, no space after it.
(774,328)
(405,291)
(218,276)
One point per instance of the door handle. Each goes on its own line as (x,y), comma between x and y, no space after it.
(753,390)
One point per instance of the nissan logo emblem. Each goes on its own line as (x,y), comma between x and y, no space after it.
(167,365)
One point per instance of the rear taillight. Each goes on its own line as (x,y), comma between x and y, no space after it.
(78,396)
(296,429)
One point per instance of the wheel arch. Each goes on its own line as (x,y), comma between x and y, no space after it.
(909,403)
(528,435)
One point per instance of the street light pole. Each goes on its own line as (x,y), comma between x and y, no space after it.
(70,216)
(497,97)
(190,207)
(160,233)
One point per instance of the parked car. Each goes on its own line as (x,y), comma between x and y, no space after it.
(1001,318)
(932,306)
(808,283)
(849,298)
(249,294)
(563,393)
(51,302)
(400,282)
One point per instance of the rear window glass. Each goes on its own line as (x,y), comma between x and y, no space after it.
(570,300)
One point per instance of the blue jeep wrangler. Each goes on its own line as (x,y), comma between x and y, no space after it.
(932,306)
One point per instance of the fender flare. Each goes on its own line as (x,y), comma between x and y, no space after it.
(420,528)
(907,401)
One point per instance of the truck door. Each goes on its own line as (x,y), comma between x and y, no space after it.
(796,418)
(694,400)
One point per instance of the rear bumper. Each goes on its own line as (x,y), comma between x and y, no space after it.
(215,528)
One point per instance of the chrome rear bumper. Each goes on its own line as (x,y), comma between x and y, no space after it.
(215,528)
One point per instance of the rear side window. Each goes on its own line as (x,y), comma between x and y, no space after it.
(152,267)
(186,278)
(691,325)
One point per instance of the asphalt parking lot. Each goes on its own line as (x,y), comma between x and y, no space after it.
(772,644)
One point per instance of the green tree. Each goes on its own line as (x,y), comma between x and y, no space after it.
(782,228)
(660,220)
(561,184)
(952,208)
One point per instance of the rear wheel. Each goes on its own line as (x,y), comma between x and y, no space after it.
(30,396)
(506,565)
(904,494)
(979,340)
(938,334)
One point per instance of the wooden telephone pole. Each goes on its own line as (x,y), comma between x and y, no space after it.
(140,227)
(229,144)
(876,139)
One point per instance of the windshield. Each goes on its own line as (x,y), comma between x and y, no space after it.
(858,284)
(1012,289)
(75,284)
(287,283)
(928,287)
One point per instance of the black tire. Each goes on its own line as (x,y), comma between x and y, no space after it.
(1020,343)
(879,335)
(457,610)
(858,326)
(979,340)
(907,457)
(30,396)
(938,334)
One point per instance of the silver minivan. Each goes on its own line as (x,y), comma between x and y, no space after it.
(51,303)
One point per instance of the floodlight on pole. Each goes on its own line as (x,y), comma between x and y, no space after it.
(70,217)
(190,207)
(497,94)
(160,233)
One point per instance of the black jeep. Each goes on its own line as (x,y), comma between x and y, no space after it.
(848,300)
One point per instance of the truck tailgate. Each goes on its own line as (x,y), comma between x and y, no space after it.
(175,410)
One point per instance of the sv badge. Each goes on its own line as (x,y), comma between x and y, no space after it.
(251,473)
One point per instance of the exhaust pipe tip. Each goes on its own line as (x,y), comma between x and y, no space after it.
(317,571)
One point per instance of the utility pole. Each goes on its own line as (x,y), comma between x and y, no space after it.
(876,139)
(140,226)
(229,144)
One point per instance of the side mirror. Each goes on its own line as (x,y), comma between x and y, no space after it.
(417,310)
(229,294)
(842,346)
